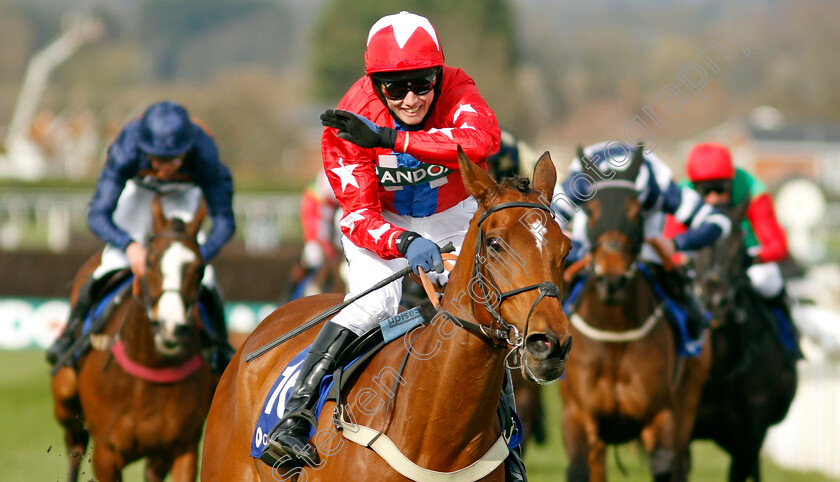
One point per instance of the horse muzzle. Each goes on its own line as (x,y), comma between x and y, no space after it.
(169,337)
(544,357)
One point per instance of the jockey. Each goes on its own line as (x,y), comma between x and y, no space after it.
(711,172)
(505,162)
(161,152)
(658,195)
(390,153)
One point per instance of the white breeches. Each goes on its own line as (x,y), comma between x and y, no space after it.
(133,215)
(366,268)
(766,278)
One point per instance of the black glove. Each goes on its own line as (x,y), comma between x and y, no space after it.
(358,129)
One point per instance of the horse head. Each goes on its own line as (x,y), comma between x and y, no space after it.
(722,266)
(170,286)
(516,274)
(615,227)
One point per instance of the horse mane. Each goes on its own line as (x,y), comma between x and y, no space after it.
(516,182)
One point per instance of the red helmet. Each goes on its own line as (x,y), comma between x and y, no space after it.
(403,41)
(708,162)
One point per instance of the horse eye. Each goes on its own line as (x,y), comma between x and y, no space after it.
(494,244)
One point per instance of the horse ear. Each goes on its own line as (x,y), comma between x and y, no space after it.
(545,176)
(477,181)
(159,221)
(740,211)
(636,162)
(192,228)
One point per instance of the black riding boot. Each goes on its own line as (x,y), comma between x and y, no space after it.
(78,312)
(218,334)
(787,331)
(698,318)
(291,435)
(514,468)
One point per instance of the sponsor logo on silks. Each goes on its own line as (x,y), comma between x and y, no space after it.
(403,176)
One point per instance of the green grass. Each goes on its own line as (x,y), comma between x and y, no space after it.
(33,450)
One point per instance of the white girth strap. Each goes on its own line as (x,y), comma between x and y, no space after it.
(607,336)
(391,454)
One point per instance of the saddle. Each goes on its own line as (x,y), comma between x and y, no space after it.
(354,358)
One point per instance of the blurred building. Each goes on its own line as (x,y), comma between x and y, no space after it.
(777,149)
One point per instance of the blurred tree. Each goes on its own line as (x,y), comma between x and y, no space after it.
(194,38)
(477,36)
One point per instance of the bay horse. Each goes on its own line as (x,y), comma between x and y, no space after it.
(143,390)
(442,412)
(624,380)
(752,382)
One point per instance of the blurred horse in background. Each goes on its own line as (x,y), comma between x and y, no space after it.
(624,379)
(752,382)
(144,389)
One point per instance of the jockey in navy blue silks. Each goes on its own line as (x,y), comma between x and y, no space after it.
(163,152)
(658,194)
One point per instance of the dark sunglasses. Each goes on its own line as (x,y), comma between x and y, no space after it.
(707,188)
(398,89)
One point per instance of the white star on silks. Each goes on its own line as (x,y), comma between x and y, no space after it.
(462,108)
(404,27)
(350,219)
(447,131)
(345,174)
(378,232)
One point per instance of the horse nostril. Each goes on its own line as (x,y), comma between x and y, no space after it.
(181,331)
(540,345)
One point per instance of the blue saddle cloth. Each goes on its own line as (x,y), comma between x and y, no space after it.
(677,316)
(281,390)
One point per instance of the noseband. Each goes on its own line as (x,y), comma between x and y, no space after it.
(507,334)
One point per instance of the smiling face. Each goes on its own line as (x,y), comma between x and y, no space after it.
(410,94)
(412,109)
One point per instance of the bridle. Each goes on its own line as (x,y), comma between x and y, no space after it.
(506,335)
(616,244)
(147,301)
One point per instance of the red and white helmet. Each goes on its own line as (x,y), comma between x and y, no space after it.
(709,162)
(403,41)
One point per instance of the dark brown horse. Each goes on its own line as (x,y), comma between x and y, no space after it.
(143,391)
(752,382)
(624,379)
(443,417)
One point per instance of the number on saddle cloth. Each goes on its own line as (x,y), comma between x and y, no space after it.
(275,403)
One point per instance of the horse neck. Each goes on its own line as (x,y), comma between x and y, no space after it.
(638,304)
(466,368)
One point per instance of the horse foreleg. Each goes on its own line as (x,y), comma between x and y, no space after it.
(107,464)
(185,466)
(658,440)
(578,429)
(688,394)
(68,412)
(157,467)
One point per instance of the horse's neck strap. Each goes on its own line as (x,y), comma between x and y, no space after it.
(391,454)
